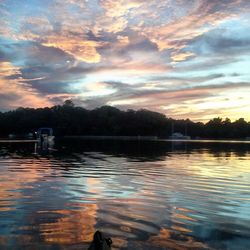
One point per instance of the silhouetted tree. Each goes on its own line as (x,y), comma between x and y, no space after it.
(67,119)
(68,103)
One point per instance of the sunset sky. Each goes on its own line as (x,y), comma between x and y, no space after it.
(183,58)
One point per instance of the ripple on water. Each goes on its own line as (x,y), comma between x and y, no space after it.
(194,200)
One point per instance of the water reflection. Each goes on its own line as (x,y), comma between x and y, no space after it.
(169,239)
(69,226)
(145,195)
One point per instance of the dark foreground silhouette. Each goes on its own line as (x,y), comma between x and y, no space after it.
(99,242)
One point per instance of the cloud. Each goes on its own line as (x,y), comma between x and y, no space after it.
(182,56)
(222,40)
(80,49)
(15,92)
(43,68)
(163,55)
(204,16)
(198,102)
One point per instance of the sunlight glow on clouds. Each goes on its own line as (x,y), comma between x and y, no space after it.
(17,89)
(187,59)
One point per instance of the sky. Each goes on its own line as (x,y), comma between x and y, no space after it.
(183,58)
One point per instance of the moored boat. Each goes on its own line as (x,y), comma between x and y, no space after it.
(45,135)
(179,136)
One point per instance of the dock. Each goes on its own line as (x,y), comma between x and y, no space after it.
(16,141)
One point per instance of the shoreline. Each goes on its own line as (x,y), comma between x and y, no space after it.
(131,138)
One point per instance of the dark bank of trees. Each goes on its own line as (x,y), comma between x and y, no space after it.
(69,120)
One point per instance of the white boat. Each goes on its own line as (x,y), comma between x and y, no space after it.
(179,136)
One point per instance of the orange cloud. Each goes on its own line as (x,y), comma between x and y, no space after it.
(171,36)
(83,50)
(118,8)
(115,17)
(17,92)
(177,57)
(71,37)
(200,104)
(175,34)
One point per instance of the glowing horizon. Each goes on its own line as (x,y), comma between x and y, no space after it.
(186,60)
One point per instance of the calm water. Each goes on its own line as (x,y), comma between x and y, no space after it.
(154,195)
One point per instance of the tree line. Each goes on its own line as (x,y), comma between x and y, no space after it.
(67,119)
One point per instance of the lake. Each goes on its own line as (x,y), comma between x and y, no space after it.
(144,195)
